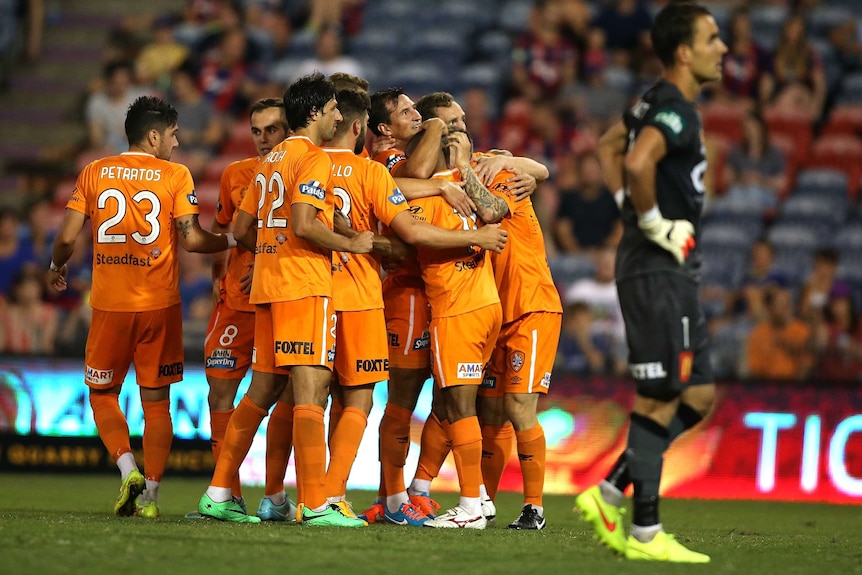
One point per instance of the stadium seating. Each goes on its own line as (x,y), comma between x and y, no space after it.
(844,119)
(839,152)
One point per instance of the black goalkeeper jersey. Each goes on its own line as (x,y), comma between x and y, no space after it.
(679,180)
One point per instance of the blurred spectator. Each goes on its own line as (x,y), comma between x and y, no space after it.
(268,23)
(846,41)
(756,169)
(626,24)
(16,253)
(484,131)
(161,56)
(328,59)
(577,351)
(758,278)
(40,229)
(227,78)
(779,346)
(819,284)
(196,286)
(30,324)
(588,216)
(599,292)
(838,339)
(551,135)
(72,334)
(746,66)
(106,108)
(544,61)
(201,128)
(800,81)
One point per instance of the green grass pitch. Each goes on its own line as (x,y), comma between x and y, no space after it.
(64,524)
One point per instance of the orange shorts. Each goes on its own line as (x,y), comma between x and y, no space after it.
(229,341)
(299,332)
(407,319)
(524,356)
(461,345)
(361,351)
(152,340)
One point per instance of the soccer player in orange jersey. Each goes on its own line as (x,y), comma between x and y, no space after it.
(141,206)
(466,318)
(230,337)
(286,217)
(367,196)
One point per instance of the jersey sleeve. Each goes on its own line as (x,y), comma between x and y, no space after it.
(78,199)
(225,209)
(388,199)
(391,159)
(499,186)
(250,201)
(312,179)
(185,200)
(677,122)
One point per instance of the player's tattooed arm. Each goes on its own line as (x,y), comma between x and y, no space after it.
(184,227)
(489,207)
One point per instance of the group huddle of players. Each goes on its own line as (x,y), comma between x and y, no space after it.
(466,295)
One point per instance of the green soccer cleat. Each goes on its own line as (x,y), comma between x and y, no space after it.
(149,510)
(331,516)
(606,519)
(663,547)
(131,487)
(227,511)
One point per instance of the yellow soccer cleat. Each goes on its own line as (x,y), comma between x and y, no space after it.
(131,487)
(606,519)
(663,547)
(149,510)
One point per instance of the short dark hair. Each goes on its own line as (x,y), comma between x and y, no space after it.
(148,113)
(265,104)
(352,104)
(673,26)
(427,105)
(305,96)
(345,81)
(383,103)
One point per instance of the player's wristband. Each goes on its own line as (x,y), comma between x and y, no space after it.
(231,241)
(54,267)
(649,216)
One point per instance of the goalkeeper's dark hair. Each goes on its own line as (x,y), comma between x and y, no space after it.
(148,113)
(674,26)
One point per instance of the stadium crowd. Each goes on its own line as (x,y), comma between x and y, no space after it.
(540,78)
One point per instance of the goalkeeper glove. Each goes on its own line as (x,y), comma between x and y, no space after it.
(675,236)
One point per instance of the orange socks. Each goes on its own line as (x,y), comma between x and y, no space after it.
(111,423)
(435,446)
(279,443)
(394,444)
(335,410)
(218,427)
(344,444)
(237,441)
(497,444)
(467,449)
(531,453)
(309,446)
(158,436)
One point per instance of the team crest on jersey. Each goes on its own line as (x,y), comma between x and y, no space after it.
(670,119)
(517,361)
(155,252)
(397,197)
(281,238)
(314,189)
(192,198)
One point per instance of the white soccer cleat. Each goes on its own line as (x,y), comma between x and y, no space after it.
(489,510)
(458,518)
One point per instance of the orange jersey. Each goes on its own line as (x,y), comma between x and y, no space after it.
(132,200)
(392,159)
(234,183)
(521,271)
(364,192)
(456,280)
(287,267)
